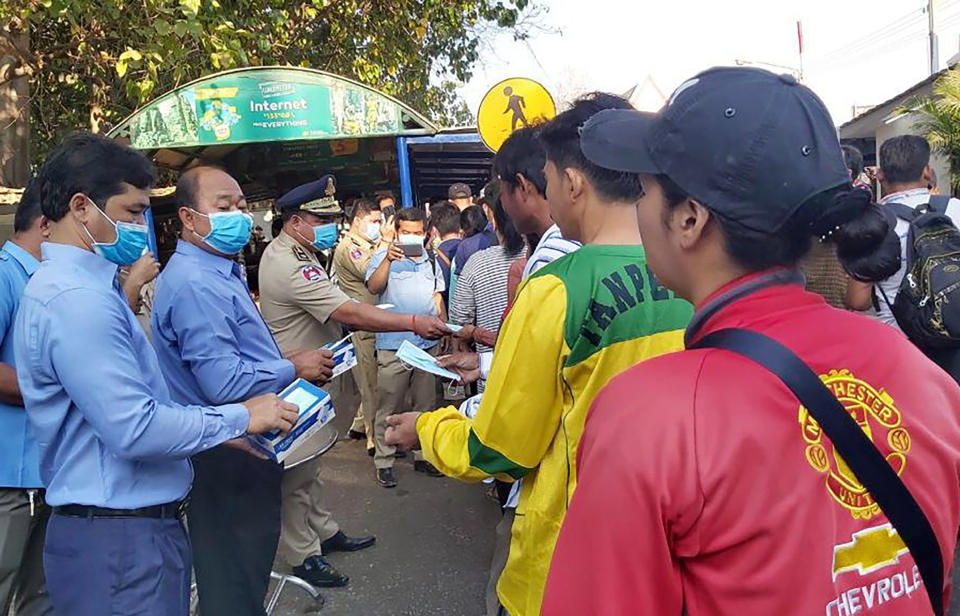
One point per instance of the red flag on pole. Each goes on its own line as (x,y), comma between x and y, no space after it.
(800,35)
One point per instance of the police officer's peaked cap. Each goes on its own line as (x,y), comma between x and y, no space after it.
(317,197)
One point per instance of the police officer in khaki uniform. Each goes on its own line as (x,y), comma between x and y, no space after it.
(350,260)
(304,309)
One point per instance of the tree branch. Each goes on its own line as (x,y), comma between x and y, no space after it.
(24,55)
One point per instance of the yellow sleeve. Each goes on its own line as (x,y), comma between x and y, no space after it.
(521,407)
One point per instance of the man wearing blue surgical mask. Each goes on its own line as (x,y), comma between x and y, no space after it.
(112,441)
(304,308)
(215,349)
(368,232)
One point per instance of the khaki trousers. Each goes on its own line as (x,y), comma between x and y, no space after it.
(22,533)
(395,382)
(501,550)
(304,520)
(365,375)
(305,523)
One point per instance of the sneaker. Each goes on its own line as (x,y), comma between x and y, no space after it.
(385,478)
(422,466)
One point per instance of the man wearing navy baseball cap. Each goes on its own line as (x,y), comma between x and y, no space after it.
(704,485)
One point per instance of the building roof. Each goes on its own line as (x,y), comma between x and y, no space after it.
(865,125)
(10,197)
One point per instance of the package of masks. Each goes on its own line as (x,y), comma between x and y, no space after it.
(344,355)
(316,411)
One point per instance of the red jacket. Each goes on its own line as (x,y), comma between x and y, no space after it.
(704,484)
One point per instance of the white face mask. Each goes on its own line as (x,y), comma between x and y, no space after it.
(373,232)
(409,238)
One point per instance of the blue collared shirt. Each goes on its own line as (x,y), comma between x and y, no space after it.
(18,449)
(410,288)
(213,345)
(107,431)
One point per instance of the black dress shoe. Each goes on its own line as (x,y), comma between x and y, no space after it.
(318,572)
(422,466)
(371,451)
(356,435)
(343,543)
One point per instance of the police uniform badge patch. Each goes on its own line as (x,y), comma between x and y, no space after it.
(312,273)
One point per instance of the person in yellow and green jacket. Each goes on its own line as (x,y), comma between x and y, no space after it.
(576,324)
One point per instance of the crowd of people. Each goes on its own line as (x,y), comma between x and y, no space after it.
(673,419)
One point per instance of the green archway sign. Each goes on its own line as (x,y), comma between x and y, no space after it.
(269,104)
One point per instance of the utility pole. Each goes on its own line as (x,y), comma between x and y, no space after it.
(800,47)
(934,46)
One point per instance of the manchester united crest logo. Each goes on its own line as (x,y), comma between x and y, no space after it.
(880,420)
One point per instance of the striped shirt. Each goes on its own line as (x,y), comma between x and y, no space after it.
(480,297)
(551,247)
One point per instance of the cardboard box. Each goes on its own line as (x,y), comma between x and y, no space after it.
(316,411)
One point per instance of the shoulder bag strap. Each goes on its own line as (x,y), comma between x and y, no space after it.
(939,203)
(849,440)
(901,211)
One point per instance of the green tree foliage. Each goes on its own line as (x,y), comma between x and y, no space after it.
(939,120)
(92,62)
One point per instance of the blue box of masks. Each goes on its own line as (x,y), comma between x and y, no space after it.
(316,411)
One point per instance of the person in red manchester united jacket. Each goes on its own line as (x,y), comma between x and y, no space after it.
(704,485)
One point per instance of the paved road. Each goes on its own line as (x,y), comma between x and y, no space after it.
(434,541)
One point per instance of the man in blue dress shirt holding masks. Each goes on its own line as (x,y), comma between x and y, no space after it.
(113,446)
(214,348)
(23,513)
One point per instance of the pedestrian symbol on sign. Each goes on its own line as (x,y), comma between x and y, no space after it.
(515,104)
(510,105)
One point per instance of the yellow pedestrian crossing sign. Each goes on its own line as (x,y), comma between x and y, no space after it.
(511,104)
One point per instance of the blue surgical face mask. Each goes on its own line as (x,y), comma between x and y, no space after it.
(373,232)
(325,236)
(229,231)
(130,245)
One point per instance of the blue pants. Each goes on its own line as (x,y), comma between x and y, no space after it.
(113,566)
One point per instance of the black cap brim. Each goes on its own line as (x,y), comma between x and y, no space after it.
(617,139)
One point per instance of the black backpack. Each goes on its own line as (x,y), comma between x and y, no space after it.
(927,307)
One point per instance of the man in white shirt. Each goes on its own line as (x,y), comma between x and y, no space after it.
(905,177)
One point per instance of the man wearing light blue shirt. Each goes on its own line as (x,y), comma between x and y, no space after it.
(214,348)
(23,513)
(113,447)
(413,285)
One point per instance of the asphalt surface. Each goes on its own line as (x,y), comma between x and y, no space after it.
(434,540)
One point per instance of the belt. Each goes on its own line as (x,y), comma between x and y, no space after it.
(169,510)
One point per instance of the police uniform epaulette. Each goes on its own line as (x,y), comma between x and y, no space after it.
(301,254)
(4,256)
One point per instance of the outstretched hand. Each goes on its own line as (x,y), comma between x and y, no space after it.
(402,431)
(466,364)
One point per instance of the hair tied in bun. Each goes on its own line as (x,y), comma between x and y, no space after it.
(844,206)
